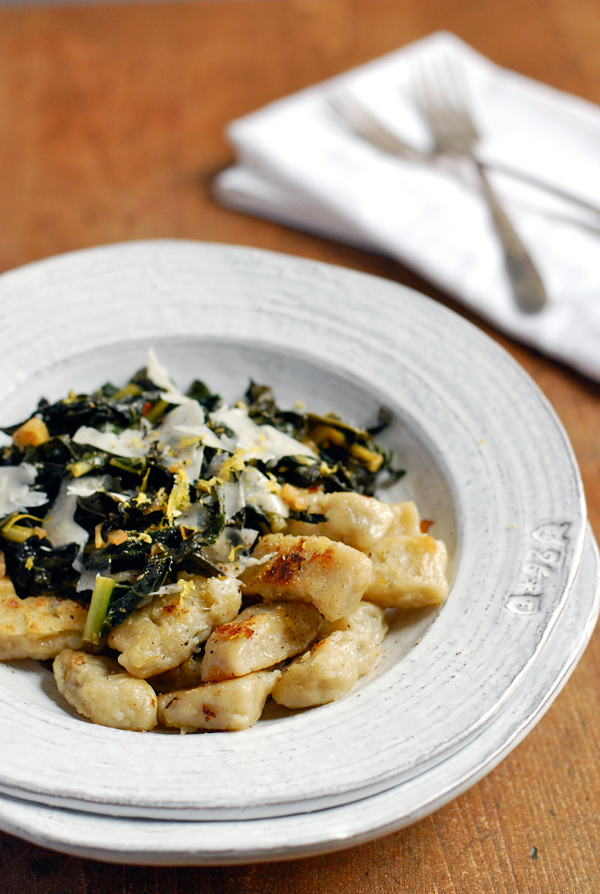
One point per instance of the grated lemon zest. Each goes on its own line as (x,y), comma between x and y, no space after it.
(326,469)
(273,484)
(187,589)
(235,463)
(179,498)
(207,486)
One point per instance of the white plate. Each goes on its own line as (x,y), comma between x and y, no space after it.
(485,454)
(159,842)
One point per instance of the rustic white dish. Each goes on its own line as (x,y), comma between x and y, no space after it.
(486,458)
(164,842)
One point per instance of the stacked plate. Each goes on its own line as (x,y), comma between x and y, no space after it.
(455,688)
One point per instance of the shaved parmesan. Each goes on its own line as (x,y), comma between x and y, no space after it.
(233,498)
(228,544)
(262,442)
(87,486)
(195,516)
(258,493)
(130,443)
(182,436)
(14,489)
(157,374)
(59,524)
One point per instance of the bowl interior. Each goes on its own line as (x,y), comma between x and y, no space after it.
(227,366)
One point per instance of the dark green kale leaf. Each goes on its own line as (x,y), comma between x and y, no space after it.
(140,593)
(36,568)
(263,409)
(310,518)
(215,503)
(65,416)
(10,455)
(190,557)
(349,457)
(135,552)
(106,509)
(107,406)
(385,419)
(199,391)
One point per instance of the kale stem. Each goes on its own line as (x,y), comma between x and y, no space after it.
(98,608)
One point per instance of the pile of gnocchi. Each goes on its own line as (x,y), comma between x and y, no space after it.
(300,622)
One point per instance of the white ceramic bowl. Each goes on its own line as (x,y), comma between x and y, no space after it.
(184,843)
(485,457)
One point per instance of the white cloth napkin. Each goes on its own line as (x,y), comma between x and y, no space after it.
(297,164)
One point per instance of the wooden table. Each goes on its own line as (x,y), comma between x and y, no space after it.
(111,128)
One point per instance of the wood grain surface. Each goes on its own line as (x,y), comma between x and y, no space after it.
(111,128)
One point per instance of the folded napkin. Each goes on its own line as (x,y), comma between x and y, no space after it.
(299,165)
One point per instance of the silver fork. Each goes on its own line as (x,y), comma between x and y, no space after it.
(351,112)
(439,92)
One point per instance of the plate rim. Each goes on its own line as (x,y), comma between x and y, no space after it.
(253,258)
(50,828)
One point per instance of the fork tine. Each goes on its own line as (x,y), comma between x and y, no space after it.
(459,96)
(439,90)
(432,105)
(355,116)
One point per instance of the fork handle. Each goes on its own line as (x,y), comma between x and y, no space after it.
(528,288)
